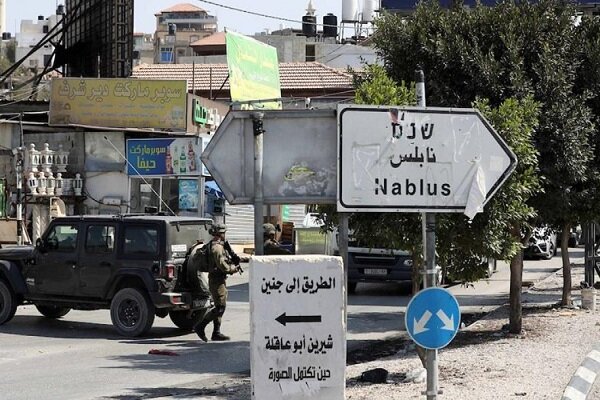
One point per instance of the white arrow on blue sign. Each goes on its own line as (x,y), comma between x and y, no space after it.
(432,318)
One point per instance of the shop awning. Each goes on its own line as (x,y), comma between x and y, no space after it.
(213,189)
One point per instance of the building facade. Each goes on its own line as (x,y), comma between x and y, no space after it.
(143,48)
(98,38)
(30,34)
(176,28)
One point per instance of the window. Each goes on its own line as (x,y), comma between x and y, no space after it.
(140,240)
(166,55)
(100,239)
(62,238)
(310,53)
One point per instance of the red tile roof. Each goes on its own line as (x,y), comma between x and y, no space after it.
(216,39)
(293,76)
(183,7)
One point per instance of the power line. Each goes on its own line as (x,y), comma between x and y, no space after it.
(22,97)
(267,15)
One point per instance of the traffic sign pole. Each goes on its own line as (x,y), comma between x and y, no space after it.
(257,125)
(430,272)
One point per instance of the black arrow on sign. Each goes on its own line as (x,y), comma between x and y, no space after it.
(284,319)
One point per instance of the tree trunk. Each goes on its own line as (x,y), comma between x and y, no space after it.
(564,247)
(515,324)
(417,270)
(422,353)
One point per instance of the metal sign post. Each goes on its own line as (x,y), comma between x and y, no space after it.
(257,124)
(430,272)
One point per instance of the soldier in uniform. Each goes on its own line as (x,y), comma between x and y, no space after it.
(220,266)
(272,246)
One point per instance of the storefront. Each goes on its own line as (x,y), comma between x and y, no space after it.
(166,174)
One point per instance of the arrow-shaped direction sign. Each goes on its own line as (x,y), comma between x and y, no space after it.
(448,321)
(300,151)
(418,159)
(419,326)
(283,319)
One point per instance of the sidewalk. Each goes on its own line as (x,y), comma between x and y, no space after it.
(485,362)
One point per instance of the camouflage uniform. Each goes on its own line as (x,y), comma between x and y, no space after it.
(219,268)
(272,246)
(217,277)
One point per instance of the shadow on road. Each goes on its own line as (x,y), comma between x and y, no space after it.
(233,387)
(194,357)
(31,325)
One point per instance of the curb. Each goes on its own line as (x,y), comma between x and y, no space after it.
(583,380)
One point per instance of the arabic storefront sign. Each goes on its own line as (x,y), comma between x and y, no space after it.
(297,343)
(123,103)
(164,156)
(253,71)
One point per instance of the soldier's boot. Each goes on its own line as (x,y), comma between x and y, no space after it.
(199,329)
(217,335)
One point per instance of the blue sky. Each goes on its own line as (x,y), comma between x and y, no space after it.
(17,10)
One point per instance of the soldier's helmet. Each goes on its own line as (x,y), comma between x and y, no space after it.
(268,229)
(218,228)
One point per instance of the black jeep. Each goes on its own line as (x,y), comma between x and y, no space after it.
(128,264)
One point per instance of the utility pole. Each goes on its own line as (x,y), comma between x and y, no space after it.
(19,170)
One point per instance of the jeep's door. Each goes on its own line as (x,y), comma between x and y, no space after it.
(97,263)
(56,268)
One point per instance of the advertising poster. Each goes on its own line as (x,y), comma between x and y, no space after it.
(253,71)
(178,157)
(188,194)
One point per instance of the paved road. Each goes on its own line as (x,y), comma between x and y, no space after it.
(81,357)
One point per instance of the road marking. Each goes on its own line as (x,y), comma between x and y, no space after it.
(573,394)
(594,355)
(586,374)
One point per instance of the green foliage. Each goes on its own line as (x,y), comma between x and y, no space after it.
(518,51)
(376,87)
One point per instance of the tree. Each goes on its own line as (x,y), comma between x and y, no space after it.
(512,50)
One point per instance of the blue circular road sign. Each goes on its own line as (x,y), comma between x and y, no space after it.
(432,318)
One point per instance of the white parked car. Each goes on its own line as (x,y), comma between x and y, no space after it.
(542,243)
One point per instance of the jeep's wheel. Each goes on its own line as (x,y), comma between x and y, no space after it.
(131,312)
(184,321)
(53,311)
(8,303)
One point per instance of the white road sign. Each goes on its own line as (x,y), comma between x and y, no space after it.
(297,336)
(299,157)
(418,159)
